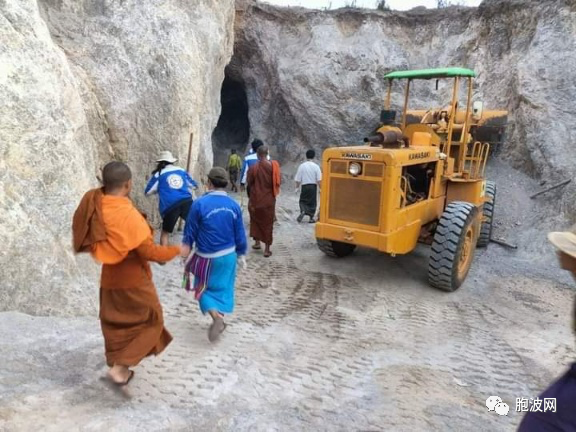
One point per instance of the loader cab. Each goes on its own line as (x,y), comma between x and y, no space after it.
(449,120)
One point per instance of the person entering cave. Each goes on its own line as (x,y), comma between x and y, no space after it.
(234,165)
(216,228)
(174,188)
(250,160)
(264,185)
(308,179)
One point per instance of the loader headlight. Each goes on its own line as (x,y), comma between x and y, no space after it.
(355,169)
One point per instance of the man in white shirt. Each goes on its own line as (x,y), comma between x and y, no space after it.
(309,178)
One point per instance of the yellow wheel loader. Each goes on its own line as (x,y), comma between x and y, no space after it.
(420,179)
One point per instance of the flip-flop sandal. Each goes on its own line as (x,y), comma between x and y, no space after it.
(267,254)
(215,329)
(256,247)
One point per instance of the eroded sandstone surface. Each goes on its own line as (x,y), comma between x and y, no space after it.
(83,83)
(315,78)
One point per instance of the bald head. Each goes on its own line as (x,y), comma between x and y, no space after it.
(116,176)
(262,152)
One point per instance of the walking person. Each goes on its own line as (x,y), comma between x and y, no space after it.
(109,227)
(215,226)
(309,180)
(250,160)
(234,165)
(174,187)
(563,391)
(264,183)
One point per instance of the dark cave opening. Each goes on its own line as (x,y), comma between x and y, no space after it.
(233,128)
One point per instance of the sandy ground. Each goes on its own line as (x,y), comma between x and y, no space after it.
(359,344)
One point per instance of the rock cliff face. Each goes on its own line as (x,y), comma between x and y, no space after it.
(84,82)
(314,78)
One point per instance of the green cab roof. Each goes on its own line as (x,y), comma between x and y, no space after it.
(431,73)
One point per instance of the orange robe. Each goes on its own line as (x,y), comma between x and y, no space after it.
(130,311)
(264,183)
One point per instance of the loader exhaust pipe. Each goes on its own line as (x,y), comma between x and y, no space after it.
(382,138)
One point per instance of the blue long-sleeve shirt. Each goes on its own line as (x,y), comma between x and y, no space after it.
(173,185)
(215,225)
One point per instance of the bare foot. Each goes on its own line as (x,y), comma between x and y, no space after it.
(120,374)
(217,327)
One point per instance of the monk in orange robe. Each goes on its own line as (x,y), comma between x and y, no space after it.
(109,227)
(264,184)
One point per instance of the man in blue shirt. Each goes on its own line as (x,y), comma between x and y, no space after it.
(174,188)
(215,226)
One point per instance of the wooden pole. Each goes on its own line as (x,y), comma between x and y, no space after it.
(557,185)
(188,163)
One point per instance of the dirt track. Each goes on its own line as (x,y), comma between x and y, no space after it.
(359,344)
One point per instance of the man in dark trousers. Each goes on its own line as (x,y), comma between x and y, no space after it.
(234,166)
(309,178)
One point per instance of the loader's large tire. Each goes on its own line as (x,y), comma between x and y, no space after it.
(335,249)
(488,213)
(453,246)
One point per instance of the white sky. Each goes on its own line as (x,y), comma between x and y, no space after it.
(371,4)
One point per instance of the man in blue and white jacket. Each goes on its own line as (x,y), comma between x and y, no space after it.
(174,188)
(215,226)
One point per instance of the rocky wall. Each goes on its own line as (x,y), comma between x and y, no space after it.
(315,78)
(82,83)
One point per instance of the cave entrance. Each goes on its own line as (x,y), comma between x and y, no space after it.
(233,128)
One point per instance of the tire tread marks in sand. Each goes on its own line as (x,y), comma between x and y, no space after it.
(271,293)
(457,361)
(332,351)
